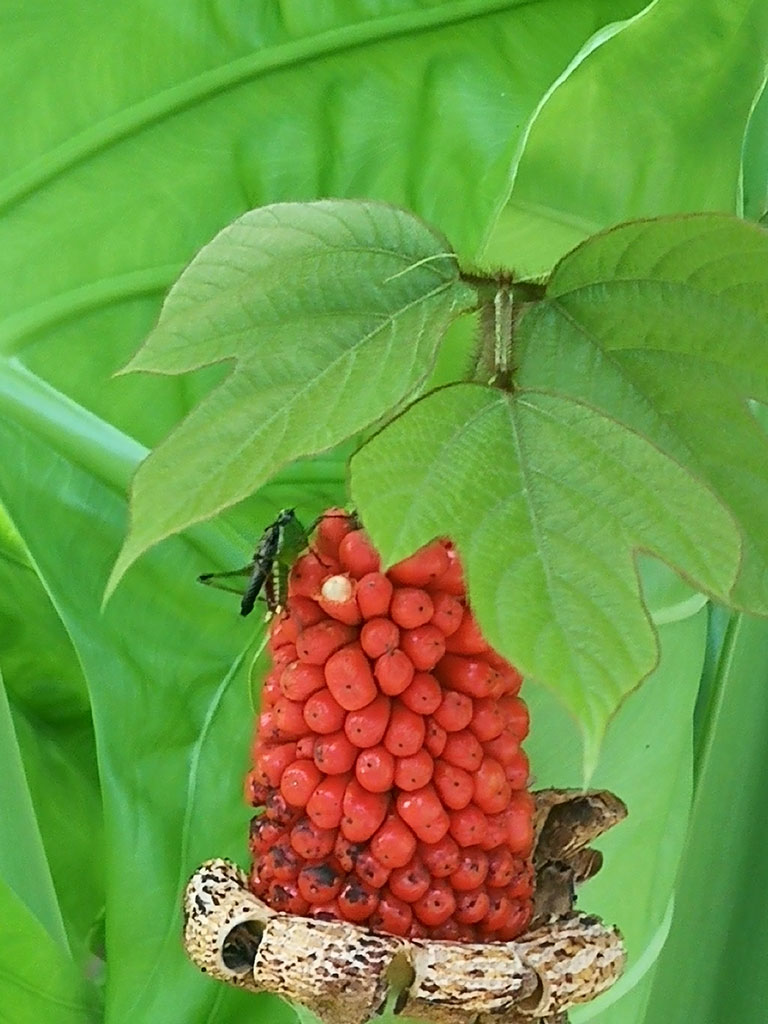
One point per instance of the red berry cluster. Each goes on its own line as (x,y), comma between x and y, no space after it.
(387,755)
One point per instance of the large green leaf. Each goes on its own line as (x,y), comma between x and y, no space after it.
(664,325)
(546,500)
(333,312)
(652,122)
(107,192)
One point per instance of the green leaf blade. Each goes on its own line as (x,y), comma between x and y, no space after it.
(546,497)
(333,311)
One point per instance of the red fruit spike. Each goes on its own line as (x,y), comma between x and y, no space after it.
(288,719)
(472,870)
(324,807)
(375,769)
(274,759)
(392,915)
(414,771)
(405,732)
(394,672)
(299,680)
(435,738)
(311,842)
(394,843)
(447,614)
(492,790)
(366,727)
(337,599)
(282,630)
(519,816)
(423,695)
(370,870)
(425,646)
(331,530)
(305,611)
(410,882)
(357,901)
(305,747)
(515,715)
(410,607)
(472,907)
(317,643)
(467,639)
(285,897)
(487,722)
(503,866)
(298,782)
(334,754)
(436,905)
(379,636)
(323,713)
(468,826)
(517,771)
(463,750)
(452,580)
(374,592)
(454,786)
(357,555)
(363,812)
(422,569)
(349,678)
(455,711)
(472,676)
(254,791)
(319,883)
(442,858)
(306,576)
(424,813)
(346,853)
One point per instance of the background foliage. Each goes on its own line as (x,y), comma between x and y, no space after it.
(136,132)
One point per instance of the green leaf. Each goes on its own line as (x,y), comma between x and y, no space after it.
(333,312)
(587,165)
(663,324)
(546,498)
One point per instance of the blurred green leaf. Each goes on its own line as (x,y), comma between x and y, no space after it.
(755,162)
(652,122)
(663,324)
(333,313)
(545,497)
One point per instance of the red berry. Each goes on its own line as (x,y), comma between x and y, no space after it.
(452,580)
(363,812)
(334,754)
(519,816)
(500,909)
(274,759)
(414,771)
(319,883)
(282,863)
(370,870)
(436,905)
(283,655)
(392,915)
(521,886)
(423,695)
(306,576)
(331,530)
(468,826)
(288,718)
(357,555)
(455,711)
(423,568)
(441,858)
(410,882)
(492,790)
(487,722)
(349,678)
(405,732)
(374,592)
(515,715)
(311,842)
(394,671)
(517,771)
(472,869)
(337,599)
(277,809)
(425,646)
(435,738)
(467,639)
(424,813)
(410,607)
(502,867)
(468,675)
(299,680)
(517,921)
(255,791)
(324,806)
(305,747)
(346,852)
(366,727)
(379,636)
(298,782)
(471,907)
(305,611)
(447,614)
(283,630)
(394,843)
(454,785)
(375,769)
(463,750)
(317,643)
(323,713)
(357,901)
(285,896)
(504,747)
